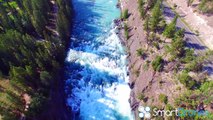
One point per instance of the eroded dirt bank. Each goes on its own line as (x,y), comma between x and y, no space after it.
(144,81)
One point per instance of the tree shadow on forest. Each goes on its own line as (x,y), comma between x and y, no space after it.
(195,46)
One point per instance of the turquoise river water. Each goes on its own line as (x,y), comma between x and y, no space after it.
(96,64)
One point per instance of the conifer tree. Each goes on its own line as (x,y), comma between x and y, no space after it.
(141,7)
(170,29)
(156,16)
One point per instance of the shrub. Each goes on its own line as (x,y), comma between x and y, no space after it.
(137,73)
(157,64)
(186,80)
(141,96)
(126,32)
(189,56)
(125,14)
(156,45)
(146,66)
(170,29)
(37,105)
(140,52)
(195,65)
(163,98)
(206,6)
(141,4)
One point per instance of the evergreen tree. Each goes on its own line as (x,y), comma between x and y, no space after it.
(170,29)
(45,78)
(177,48)
(29,62)
(180,33)
(151,3)
(157,63)
(156,16)
(141,7)
(146,24)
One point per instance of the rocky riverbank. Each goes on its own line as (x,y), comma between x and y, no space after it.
(144,82)
(150,87)
(136,40)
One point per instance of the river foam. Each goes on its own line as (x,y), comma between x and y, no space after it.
(96,64)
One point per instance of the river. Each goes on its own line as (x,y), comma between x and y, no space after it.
(96,64)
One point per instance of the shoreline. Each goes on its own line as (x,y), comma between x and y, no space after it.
(132,98)
(145,82)
(57,105)
(57,109)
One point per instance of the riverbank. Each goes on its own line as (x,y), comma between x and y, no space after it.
(57,108)
(145,83)
(148,85)
(135,42)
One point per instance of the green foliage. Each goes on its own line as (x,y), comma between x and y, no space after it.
(39,14)
(206,6)
(177,48)
(152,38)
(179,33)
(206,86)
(170,107)
(45,78)
(146,66)
(156,45)
(146,24)
(125,14)
(8,116)
(141,53)
(192,98)
(157,63)
(141,7)
(126,31)
(170,29)
(141,96)
(186,80)
(156,16)
(37,105)
(189,56)
(162,24)
(63,20)
(195,65)
(29,54)
(163,98)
